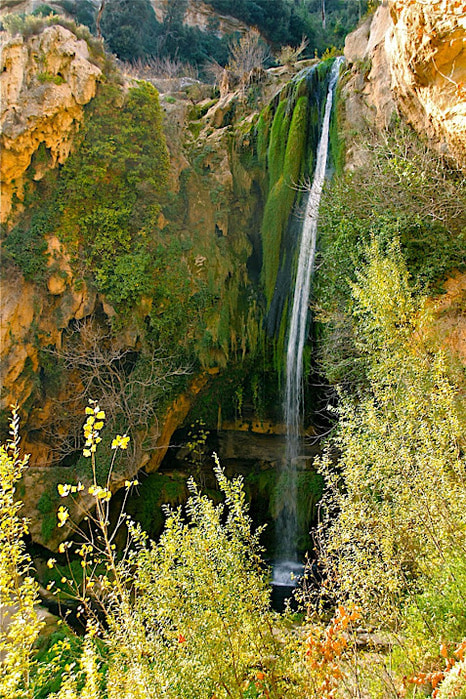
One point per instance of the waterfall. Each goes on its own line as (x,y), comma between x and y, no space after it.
(287,524)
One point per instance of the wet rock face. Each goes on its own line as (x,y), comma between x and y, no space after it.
(411,56)
(44,82)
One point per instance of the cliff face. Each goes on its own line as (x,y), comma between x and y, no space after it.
(411,56)
(199,14)
(44,84)
(427,51)
(201,241)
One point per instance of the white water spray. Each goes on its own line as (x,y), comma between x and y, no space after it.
(287,524)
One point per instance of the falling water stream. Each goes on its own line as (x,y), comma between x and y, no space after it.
(287,525)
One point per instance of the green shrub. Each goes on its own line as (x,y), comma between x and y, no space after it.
(50,78)
(27,249)
(396,498)
(109,192)
(404,192)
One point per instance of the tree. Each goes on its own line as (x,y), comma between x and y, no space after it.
(396,501)
(132,385)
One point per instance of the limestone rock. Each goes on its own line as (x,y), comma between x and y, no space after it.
(44,83)
(410,57)
(367,93)
(427,50)
(199,14)
(356,42)
(450,311)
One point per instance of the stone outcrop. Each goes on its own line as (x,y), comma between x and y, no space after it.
(450,315)
(411,56)
(45,81)
(427,50)
(199,14)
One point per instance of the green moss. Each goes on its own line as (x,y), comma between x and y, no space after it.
(109,193)
(277,142)
(50,78)
(337,142)
(262,135)
(46,505)
(295,146)
(283,193)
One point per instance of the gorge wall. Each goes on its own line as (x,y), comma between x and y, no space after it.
(411,57)
(177,281)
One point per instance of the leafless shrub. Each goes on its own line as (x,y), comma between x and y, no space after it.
(129,385)
(247,55)
(414,179)
(290,54)
(157,67)
(214,71)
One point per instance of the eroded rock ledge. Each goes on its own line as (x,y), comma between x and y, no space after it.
(45,81)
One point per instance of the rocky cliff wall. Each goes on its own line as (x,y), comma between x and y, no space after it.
(44,83)
(408,59)
(411,57)
(199,14)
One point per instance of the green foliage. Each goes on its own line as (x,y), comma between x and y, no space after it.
(256,379)
(153,492)
(132,32)
(201,621)
(50,78)
(18,590)
(43,10)
(403,191)
(186,616)
(83,12)
(109,191)
(27,248)
(58,653)
(51,370)
(396,501)
(285,22)
(130,29)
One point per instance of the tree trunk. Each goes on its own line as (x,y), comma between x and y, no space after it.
(99,17)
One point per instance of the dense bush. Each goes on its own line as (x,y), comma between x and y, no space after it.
(404,191)
(394,531)
(187,616)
